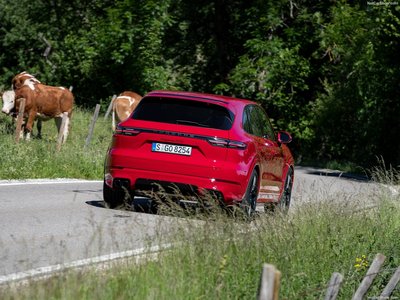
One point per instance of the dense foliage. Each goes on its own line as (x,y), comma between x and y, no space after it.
(327,71)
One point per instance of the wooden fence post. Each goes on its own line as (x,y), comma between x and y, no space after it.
(371,274)
(334,286)
(109,107)
(20,120)
(277,284)
(387,291)
(269,283)
(61,132)
(91,128)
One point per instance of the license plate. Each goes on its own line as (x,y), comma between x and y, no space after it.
(174,149)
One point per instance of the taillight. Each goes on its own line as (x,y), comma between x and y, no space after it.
(126,131)
(237,145)
(227,143)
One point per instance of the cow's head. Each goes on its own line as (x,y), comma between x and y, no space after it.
(22,79)
(8,102)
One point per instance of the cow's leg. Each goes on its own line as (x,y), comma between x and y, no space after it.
(29,124)
(66,128)
(39,128)
(58,121)
(28,136)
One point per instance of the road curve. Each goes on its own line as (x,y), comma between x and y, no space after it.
(52,222)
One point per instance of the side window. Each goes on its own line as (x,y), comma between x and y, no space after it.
(246,120)
(265,124)
(252,123)
(256,125)
(256,122)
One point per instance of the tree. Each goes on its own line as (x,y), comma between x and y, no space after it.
(277,67)
(356,118)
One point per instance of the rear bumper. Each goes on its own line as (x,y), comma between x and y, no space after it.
(231,190)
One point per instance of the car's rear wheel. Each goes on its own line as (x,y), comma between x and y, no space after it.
(284,202)
(112,198)
(249,201)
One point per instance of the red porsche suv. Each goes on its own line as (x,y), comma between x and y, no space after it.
(200,143)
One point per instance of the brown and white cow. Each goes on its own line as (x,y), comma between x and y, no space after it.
(22,79)
(123,106)
(43,102)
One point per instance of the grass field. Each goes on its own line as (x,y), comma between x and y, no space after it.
(221,257)
(40,159)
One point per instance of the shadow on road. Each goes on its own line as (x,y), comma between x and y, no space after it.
(139,204)
(87,191)
(96,203)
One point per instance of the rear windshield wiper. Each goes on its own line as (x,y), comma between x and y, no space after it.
(191,123)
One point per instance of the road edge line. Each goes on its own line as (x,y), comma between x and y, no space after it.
(53,269)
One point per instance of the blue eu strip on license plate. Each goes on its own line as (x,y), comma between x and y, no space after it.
(173,149)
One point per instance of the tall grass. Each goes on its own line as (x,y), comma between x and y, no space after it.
(39,158)
(218,257)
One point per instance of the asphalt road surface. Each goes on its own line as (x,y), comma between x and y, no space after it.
(51,222)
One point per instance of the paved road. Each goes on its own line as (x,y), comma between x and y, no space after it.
(54,222)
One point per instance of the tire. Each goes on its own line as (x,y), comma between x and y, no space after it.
(284,202)
(153,209)
(112,198)
(249,201)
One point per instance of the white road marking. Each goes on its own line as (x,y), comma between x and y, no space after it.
(45,181)
(49,270)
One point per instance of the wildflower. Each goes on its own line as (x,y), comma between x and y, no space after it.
(361,263)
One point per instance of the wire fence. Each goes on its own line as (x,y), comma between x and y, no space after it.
(270,283)
(20,123)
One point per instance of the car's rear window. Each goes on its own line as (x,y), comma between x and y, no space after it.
(184,112)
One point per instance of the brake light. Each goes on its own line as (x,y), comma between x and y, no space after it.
(126,131)
(237,145)
(227,143)
(218,142)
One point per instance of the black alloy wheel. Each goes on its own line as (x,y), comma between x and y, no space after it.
(284,202)
(249,201)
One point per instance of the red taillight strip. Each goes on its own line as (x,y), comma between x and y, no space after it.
(126,131)
(237,145)
(218,142)
(226,143)
(215,141)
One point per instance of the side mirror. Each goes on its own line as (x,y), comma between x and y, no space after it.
(284,137)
